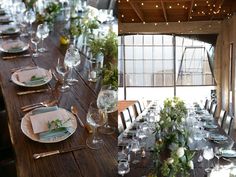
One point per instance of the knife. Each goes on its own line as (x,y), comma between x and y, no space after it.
(49,153)
(15,56)
(32,91)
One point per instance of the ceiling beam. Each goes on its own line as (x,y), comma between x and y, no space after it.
(137,10)
(158,1)
(190,9)
(164,10)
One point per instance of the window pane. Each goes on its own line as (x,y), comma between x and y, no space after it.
(157,53)
(157,39)
(138,52)
(138,66)
(128,52)
(167,40)
(147,52)
(128,40)
(147,39)
(129,66)
(167,53)
(138,40)
(148,67)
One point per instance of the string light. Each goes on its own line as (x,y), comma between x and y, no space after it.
(142,4)
(167,23)
(127,0)
(177,4)
(170,7)
(183,6)
(190,17)
(214,5)
(122,16)
(179,21)
(155,24)
(207,2)
(144,23)
(156,6)
(132,19)
(195,4)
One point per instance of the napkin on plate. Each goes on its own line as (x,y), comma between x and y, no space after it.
(41,117)
(32,76)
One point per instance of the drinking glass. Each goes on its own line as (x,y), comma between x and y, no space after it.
(42,33)
(63,70)
(107,102)
(30,17)
(72,59)
(123,167)
(135,147)
(35,40)
(95,118)
(218,154)
(208,154)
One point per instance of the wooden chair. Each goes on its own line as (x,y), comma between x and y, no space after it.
(121,126)
(221,117)
(132,112)
(213,109)
(206,106)
(142,105)
(227,124)
(137,108)
(126,118)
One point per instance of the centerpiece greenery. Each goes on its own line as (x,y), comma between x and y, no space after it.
(172,155)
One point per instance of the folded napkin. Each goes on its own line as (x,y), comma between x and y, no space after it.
(41,117)
(32,77)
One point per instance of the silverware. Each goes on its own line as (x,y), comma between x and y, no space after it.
(22,67)
(54,75)
(32,91)
(52,103)
(15,56)
(45,154)
(74,111)
(34,104)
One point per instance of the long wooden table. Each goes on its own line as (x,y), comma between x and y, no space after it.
(86,162)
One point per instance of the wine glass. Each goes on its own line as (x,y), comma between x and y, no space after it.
(123,167)
(42,33)
(218,154)
(107,102)
(208,154)
(135,147)
(72,59)
(35,40)
(30,17)
(63,70)
(95,118)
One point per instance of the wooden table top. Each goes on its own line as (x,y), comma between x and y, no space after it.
(73,164)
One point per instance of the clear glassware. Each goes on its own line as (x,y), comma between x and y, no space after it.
(107,101)
(63,70)
(95,118)
(72,59)
(218,154)
(123,167)
(208,154)
(135,147)
(42,33)
(35,40)
(30,17)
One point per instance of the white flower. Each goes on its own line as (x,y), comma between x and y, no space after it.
(92,12)
(190,164)
(170,160)
(161,122)
(180,152)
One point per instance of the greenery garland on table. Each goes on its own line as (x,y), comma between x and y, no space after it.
(172,156)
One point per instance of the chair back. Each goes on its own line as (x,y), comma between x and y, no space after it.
(132,113)
(221,117)
(207,104)
(137,108)
(126,118)
(213,109)
(121,126)
(227,124)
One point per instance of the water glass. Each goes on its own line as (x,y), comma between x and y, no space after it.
(93,70)
(123,167)
(63,70)
(135,147)
(218,154)
(35,40)
(30,17)
(72,59)
(208,154)
(42,33)
(95,118)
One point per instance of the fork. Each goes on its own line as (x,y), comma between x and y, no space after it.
(37,105)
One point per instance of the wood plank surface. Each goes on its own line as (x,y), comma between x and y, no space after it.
(102,162)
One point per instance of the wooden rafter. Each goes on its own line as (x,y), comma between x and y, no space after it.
(164,10)
(190,9)
(137,10)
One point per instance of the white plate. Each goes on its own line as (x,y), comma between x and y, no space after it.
(228,153)
(11,30)
(14,77)
(27,129)
(8,46)
(210,126)
(217,137)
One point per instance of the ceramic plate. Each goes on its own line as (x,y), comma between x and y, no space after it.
(228,153)
(46,79)
(13,46)
(10,30)
(217,137)
(27,129)
(210,126)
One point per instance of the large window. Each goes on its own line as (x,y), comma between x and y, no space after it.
(161,63)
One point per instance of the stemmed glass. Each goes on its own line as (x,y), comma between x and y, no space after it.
(107,102)
(135,147)
(123,167)
(35,40)
(95,118)
(63,70)
(72,59)
(30,17)
(208,154)
(42,33)
(218,154)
